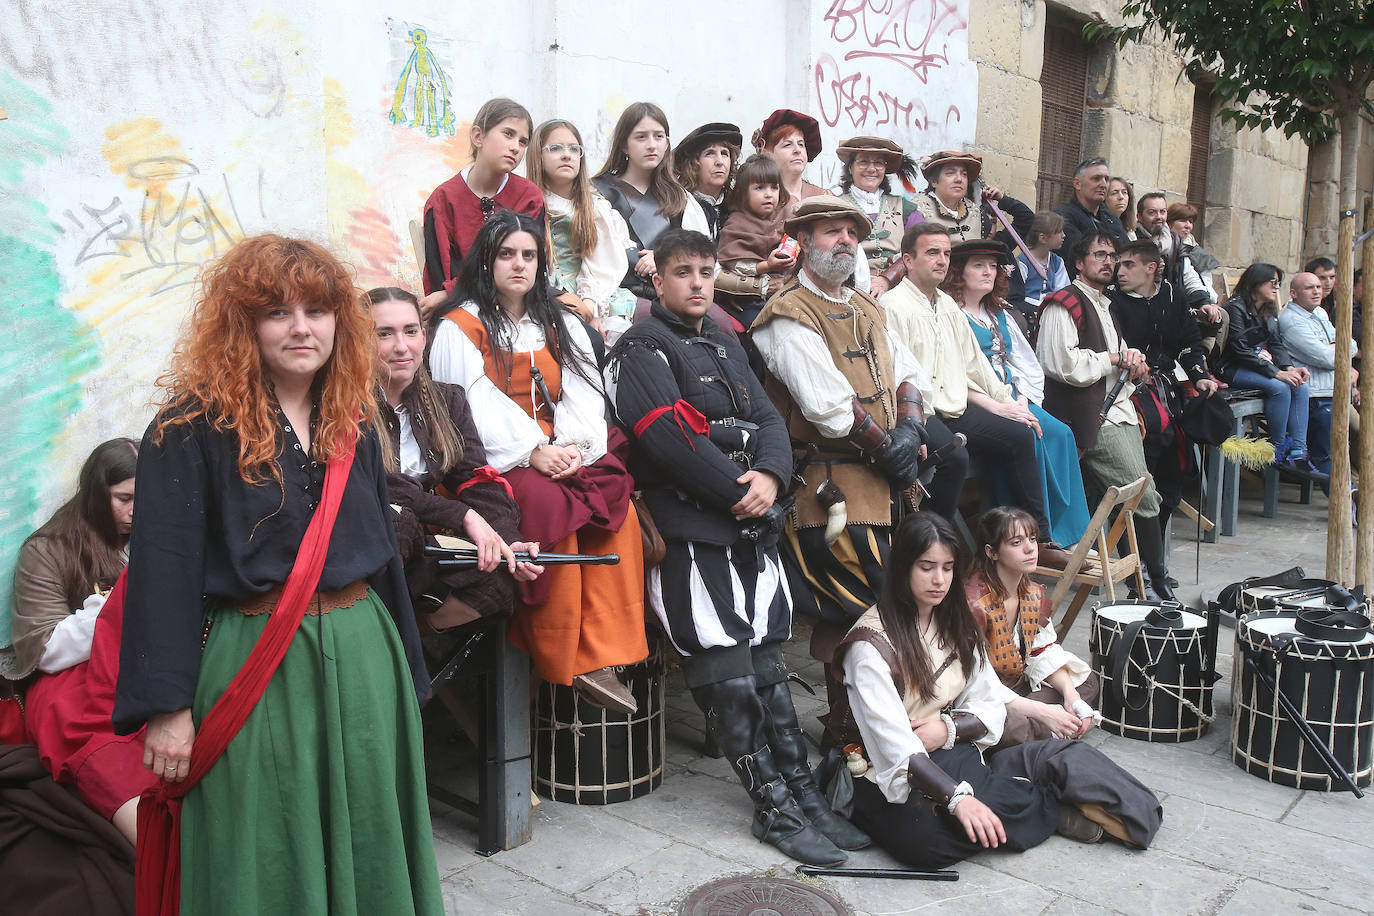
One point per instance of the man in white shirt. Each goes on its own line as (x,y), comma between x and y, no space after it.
(1085,357)
(1311,341)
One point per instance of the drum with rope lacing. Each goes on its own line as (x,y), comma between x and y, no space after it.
(1155,663)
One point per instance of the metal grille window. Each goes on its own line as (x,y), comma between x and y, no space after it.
(1063,94)
(1200,150)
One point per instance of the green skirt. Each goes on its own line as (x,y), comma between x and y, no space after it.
(318,805)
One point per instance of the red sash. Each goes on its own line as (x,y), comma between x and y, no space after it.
(158,867)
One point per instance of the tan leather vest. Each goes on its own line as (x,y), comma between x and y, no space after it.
(856,336)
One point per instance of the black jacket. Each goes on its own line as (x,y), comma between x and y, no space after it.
(1078,221)
(1161,327)
(1249,333)
(688,479)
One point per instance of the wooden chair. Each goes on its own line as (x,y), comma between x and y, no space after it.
(1089,569)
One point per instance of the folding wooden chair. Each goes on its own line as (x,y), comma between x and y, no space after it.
(1088,569)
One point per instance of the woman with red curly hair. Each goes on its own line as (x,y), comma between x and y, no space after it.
(308,795)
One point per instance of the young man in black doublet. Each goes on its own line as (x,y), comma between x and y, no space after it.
(712,457)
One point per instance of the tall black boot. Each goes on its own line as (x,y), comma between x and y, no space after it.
(734,709)
(788,742)
(1151,546)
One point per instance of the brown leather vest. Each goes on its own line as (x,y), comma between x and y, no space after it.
(1008,661)
(1079,408)
(856,336)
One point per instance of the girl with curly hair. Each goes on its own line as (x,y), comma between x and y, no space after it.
(264,524)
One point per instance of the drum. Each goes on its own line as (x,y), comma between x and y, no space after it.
(1331,684)
(586,755)
(1156,676)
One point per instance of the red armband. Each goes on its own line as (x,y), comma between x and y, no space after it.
(485,474)
(683,413)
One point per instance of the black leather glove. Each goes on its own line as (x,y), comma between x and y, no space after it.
(900,457)
(767,526)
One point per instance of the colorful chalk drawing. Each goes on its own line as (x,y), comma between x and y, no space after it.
(49,349)
(422,85)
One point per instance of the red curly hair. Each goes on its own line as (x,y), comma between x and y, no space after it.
(217,369)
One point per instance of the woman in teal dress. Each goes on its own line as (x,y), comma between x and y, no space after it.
(978,282)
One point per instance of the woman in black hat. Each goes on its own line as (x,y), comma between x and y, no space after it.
(705,161)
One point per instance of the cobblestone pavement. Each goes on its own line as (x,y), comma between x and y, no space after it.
(1231,843)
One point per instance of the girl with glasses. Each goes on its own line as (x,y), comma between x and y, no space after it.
(588,237)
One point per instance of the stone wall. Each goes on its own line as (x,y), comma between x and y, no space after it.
(1139,111)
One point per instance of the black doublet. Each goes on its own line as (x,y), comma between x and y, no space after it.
(689,490)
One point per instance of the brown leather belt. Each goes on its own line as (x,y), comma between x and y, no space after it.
(320,603)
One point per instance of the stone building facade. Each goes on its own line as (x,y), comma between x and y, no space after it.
(1156,127)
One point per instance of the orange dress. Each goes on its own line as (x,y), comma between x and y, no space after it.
(572,619)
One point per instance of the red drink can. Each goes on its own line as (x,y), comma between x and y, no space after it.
(789,246)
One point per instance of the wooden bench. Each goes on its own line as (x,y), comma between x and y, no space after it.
(502,674)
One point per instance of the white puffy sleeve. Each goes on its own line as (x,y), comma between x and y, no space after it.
(985,697)
(1046,656)
(604,268)
(797,357)
(888,739)
(694,218)
(580,416)
(508,433)
(1025,365)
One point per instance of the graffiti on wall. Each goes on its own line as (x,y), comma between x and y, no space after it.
(422,96)
(896,69)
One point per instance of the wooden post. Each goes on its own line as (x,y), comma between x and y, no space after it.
(1364,536)
(1340,541)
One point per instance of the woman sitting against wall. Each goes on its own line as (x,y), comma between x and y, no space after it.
(431,444)
(705,161)
(867,167)
(538,406)
(589,238)
(637,178)
(64,649)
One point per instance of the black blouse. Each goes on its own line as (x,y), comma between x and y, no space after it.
(201,532)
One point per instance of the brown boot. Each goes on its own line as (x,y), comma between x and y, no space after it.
(1076,825)
(603,688)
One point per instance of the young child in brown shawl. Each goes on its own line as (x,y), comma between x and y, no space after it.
(752,266)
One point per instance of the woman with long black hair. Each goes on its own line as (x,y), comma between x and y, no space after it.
(65,571)
(1255,357)
(923,703)
(537,401)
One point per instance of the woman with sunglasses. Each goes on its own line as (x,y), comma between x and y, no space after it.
(588,238)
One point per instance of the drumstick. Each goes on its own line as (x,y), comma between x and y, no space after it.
(467,559)
(1333,766)
(909,873)
(1031,259)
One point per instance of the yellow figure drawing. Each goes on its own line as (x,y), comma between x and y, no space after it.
(430,90)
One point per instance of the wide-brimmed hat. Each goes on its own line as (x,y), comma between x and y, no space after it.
(715,132)
(827,206)
(891,152)
(809,127)
(931,165)
(983,246)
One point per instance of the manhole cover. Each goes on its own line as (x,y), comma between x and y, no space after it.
(762,897)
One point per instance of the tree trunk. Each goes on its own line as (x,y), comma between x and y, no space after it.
(1340,539)
(1364,535)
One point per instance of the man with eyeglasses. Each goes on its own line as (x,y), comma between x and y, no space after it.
(1154,318)
(1088,211)
(1084,355)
